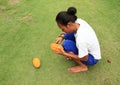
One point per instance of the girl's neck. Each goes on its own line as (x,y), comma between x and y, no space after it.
(77,25)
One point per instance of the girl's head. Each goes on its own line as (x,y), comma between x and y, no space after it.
(65,19)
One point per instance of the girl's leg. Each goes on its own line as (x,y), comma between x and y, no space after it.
(70,46)
(82,64)
(69,36)
(91,60)
(79,68)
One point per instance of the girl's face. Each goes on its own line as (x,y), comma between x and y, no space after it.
(69,28)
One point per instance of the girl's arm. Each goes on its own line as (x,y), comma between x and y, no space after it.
(73,56)
(60,38)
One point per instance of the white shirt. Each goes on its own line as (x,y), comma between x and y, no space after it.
(86,40)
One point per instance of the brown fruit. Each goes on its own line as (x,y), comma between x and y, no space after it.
(109,61)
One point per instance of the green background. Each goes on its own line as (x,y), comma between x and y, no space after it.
(28,27)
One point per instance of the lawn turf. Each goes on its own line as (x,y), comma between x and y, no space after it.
(27,27)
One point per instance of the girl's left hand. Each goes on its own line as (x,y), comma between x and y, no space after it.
(62,52)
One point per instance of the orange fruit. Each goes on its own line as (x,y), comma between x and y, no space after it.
(36,62)
(56,47)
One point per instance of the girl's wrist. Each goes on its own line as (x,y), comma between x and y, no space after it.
(62,35)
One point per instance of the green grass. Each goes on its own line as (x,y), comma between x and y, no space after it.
(27,29)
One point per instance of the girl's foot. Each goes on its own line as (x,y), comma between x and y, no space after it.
(77,69)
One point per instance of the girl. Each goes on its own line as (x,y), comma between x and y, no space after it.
(80,41)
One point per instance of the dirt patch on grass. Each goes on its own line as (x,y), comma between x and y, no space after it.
(27,19)
(2,11)
(2,14)
(2,8)
(12,2)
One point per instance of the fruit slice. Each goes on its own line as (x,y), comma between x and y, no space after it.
(36,62)
(56,47)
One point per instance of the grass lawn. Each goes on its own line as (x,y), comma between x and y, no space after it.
(27,27)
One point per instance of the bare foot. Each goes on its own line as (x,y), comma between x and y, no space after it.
(77,69)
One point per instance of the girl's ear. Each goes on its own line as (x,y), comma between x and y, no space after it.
(69,24)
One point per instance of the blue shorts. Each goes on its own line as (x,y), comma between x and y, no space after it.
(69,36)
(69,45)
(91,60)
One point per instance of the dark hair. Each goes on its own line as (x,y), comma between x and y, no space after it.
(64,17)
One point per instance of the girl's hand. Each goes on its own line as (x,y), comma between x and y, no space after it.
(61,51)
(69,58)
(59,40)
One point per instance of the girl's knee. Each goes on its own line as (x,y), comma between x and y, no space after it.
(70,46)
(69,36)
